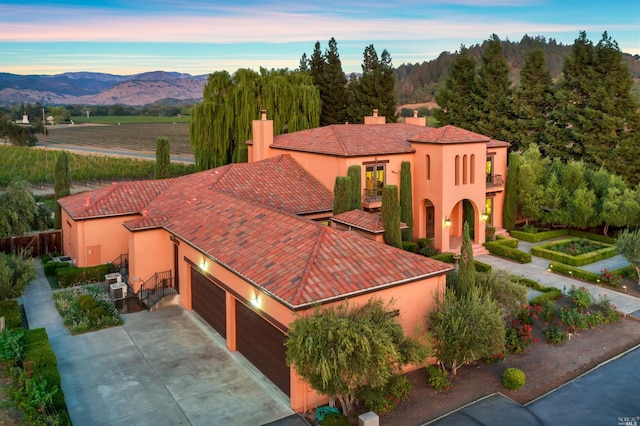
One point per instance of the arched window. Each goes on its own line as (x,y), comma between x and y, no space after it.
(457,170)
(473,168)
(428,167)
(465,170)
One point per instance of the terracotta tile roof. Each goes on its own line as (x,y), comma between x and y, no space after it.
(299,262)
(121,198)
(349,140)
(370,222)
(493,143)
(447,134)
(278,182)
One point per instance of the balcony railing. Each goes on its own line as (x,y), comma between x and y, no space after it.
(494,181)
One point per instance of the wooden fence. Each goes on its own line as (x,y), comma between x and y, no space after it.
(45,242)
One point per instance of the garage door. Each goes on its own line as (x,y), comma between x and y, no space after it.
(263,345)
(209,301)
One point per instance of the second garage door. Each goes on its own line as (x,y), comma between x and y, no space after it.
(263,345)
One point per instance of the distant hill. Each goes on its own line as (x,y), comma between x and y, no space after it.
(89,88)
(419,82)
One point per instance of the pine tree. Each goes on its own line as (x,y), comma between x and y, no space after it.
(333,90)
(221,124)
(304,63)
(390,212)
(355,173)
(456,98)
(374,89)
(163,158)
(533,102)
(342,195)
(61,184)
(406,200)
(493,94)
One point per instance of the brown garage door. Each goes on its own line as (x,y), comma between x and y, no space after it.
(263,345)
(209,301)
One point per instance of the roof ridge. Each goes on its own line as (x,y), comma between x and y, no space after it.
(339,139)
(307,270)
(108,191)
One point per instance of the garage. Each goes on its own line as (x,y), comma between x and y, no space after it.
(263,345)
(209,301)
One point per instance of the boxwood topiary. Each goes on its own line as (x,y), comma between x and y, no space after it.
(10,310)
(513,378)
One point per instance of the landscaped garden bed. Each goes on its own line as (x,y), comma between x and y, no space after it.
(574,251)
(86,308)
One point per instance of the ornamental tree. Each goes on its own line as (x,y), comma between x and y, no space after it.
(355,173)
(18,209)
(390,212)
(628,245)
(163,158)
(340,350)
(61,184)
(342,195)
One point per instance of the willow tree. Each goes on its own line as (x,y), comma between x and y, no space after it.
(163,158)
(221,124)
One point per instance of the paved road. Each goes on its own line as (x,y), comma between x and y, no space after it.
(117,152)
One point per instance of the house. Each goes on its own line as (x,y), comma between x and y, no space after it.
(245,247)
(457,175)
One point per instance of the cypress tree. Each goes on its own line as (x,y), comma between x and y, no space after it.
(493,94)
(221,124)
(456,98)
(466,267)
(406,200)
(390,212)
(355,173)
(163,158)
(61,184)
(510,209)
(342,195)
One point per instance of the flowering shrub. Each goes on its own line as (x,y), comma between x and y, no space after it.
(385,400)
(86,309)
(527,314)
(580,297)
(609,310)
(610,279)
(576,246)
(518,337)
(438,378)
(495,358)
(555,333)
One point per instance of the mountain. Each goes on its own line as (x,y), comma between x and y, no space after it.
(90,88)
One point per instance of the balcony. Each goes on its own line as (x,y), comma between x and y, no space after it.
(495,181)
(372,199)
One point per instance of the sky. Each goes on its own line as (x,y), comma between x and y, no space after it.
(200,37)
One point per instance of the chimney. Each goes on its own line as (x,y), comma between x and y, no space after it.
(418,121)
(375,118)
(145,213)
(262,138)
(87,201)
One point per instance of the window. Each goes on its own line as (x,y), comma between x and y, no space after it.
(374,180)
(428,167)
(472,168)
(465,170)
(457,170)
(490,169)
(488,209)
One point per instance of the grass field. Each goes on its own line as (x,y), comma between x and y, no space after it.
(129,136)
(127,119)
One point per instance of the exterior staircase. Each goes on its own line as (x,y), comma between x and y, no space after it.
(456,242)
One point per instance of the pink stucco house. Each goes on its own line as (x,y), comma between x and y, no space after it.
(247,246)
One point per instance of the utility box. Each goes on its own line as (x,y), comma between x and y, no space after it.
(368,419)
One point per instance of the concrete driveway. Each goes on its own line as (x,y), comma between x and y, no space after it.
(160,368)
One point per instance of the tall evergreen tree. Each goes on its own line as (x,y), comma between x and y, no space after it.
(333,91)
(374,89)
(355,173)
(466,266)
(510,209)
(597,118)
(406,200)
(221,124)
(304,63)
(61,184)
(342,195)
(390,212)
(533,102)
(163,158)
(456,98)
(493,94)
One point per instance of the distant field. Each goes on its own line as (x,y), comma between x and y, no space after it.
(127,119)
(135,137)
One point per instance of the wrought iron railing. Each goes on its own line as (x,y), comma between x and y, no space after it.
(155,288)
(494,181)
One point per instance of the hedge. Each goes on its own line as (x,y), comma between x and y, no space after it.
(448,257)
(10,310)
(502,248)
(410,246)
(581,274)
(539,236)
(581,260)
(50,268)
(71,276)
(45,365)
(553,294)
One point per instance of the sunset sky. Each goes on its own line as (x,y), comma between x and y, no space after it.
(199,37)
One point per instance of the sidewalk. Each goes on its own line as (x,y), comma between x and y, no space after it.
(537,271)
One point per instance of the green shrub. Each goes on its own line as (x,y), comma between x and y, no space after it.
(501,248)
(538,236)
(438,378)
(481,267)
(10,310)
(45,258)
(50,268)
(72,276)
(513,378)
(384,400)
(45,365)
(580,297)
(555,334)
(591,236)
(489,233)
(446,257)
(410,246)
(11,345)
(545,297)
(426,248)
(16,272)
(335,419)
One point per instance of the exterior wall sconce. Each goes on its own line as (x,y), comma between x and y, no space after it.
(447,222)
(484,216)
(203,264)
(255,301)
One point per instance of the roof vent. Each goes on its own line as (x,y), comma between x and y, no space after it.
(87,201)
